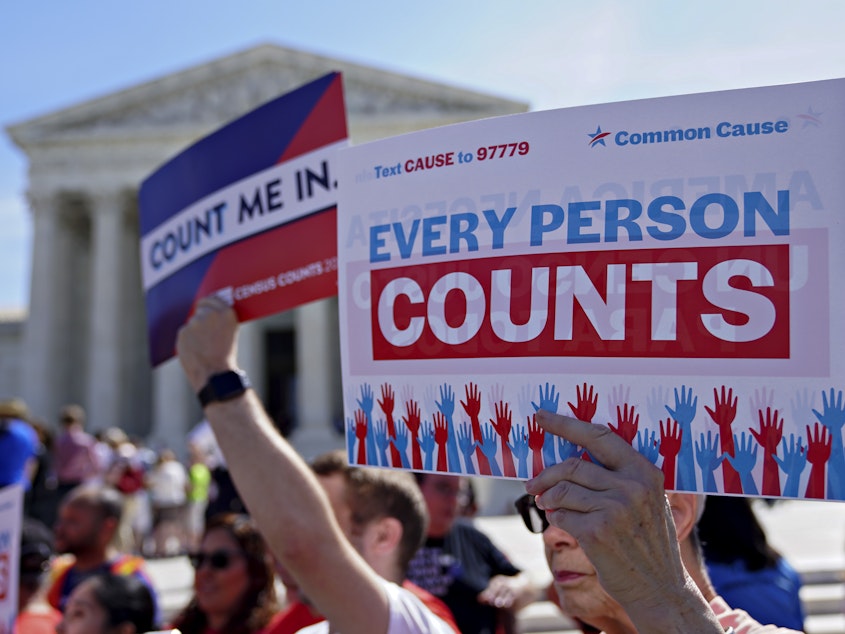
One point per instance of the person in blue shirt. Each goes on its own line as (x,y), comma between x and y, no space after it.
(744,568)
(18,444)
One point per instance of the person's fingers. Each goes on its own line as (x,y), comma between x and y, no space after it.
(611,450)
(581,472)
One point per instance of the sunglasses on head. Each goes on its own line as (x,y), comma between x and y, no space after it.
(218,559)
(535,519)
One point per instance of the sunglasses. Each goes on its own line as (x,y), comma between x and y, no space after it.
(218,559)
(535,519)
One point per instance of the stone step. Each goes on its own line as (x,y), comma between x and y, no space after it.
(825,624)
(826,598)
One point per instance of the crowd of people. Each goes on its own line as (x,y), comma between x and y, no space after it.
(356,549)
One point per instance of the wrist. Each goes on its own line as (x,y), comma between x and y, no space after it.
(224,385)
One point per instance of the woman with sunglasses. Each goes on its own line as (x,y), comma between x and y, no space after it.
(233,584)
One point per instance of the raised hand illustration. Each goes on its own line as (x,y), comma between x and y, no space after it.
(365,403)
(412,422)
(427,444)
(670,445)
(446,406)
(536,438)
(520,450)
(792,464)
(723,414)
(386,403)
(502,425)
(586,402)
(627,422)
(382,440)
(761,399)
(684,413)
(361,434)
(619,396)
(549,400)
(708,457)
(649,446)
(655,403)
(818,453)
(472,406)
(441,437)
(768,437)
(832,417)
(567,449)
(490,447)
(467,444)
(744,461)
(400,443)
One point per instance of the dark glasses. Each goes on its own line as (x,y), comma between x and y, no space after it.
(535,519)
(218,559)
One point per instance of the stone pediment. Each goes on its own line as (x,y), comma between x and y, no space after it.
(203,97)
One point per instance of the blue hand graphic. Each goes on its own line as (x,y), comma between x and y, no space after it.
(427,444)
(549,400)
(366,404)
(489,447)
(793,463)
(833,417)
(401,444)
(519,449)
(379,433)
(648,446)
(744,460)
(467,445)
(446,405)
(684,412)
(707,455)
(566,449)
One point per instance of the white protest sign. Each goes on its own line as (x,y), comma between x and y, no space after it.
(11,512)
(666,266)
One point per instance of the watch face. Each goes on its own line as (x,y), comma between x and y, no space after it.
(228,385)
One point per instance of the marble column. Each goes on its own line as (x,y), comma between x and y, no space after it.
(41,341)
(175,408)
(316,384)
(105,384)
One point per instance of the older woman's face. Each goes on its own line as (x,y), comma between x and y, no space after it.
(220,588)
(575,580)
(83,614)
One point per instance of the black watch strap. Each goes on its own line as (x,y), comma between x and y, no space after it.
(224,386)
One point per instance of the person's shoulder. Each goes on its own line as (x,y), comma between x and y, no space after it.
(409,615)
(433,603)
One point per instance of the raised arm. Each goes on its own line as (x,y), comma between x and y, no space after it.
(279,489)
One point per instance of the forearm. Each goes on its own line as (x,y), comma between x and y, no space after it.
(281,493)
(258,458)
(290,507)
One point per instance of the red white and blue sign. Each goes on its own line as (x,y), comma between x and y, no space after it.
(248,213)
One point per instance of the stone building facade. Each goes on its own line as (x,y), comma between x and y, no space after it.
(84,339)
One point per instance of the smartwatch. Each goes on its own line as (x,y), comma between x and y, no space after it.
(224,387)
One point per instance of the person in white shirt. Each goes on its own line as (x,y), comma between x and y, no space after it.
(284,497)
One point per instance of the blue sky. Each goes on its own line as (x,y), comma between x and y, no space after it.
(551,53)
